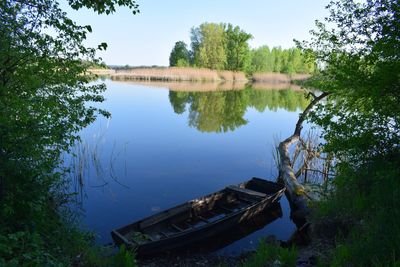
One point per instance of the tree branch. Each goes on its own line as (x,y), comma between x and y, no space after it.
(297,196)
(303,115)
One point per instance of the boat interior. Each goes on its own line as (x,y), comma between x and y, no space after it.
(197,213)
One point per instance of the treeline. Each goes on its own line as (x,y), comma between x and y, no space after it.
(226,47)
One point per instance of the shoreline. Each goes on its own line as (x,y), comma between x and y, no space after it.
(185,86)
(187,74)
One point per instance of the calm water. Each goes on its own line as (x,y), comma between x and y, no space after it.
(163,147)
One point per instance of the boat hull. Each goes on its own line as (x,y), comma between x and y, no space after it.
(199,234)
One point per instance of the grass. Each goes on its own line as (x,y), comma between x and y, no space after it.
(58,243)
(362,217)
(272,255)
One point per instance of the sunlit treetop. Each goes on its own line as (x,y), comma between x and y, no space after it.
(104,6)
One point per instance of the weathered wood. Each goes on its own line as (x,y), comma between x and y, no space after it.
(225,208)
(296,192)
(202,219)
(245,191)
(164,215)
(164,224)
(176,227)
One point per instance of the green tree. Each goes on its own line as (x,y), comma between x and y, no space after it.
(359,48)
(276,54)
(208,45)
(179,55)
(290,61)
(260,60)
(237,48)
(44,102)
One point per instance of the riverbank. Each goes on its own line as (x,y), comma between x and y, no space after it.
(296,252)
(187,74)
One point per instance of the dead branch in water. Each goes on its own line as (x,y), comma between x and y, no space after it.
(296,192)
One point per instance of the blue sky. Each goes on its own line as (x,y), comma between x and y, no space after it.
(147,38)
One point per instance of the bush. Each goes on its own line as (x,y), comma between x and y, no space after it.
(365,212)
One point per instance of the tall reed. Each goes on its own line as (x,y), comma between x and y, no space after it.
(177,74)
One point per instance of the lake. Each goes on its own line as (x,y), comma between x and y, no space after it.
(167,143)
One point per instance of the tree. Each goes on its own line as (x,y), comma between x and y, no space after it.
(237,48)
(260,60)
(208,45)
(44,102)
(276,54)
(361,70)
(358,50)
(179,55)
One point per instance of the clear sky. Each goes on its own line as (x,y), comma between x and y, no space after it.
(148,38)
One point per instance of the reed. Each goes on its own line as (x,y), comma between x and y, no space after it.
(272,77)
(101,71)
(275,86)
(186,86)
(177,74)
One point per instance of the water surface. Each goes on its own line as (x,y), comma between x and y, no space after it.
(163,147)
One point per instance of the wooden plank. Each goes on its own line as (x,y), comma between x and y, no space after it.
(225,208)
(121,237)
(213,212)
(164,234)
(176,227)
(246,191)
(203,219)
(246,200)
(164,215)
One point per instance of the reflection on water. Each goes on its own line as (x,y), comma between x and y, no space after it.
(163,147)
(223,111)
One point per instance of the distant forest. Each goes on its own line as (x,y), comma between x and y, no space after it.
(225,47)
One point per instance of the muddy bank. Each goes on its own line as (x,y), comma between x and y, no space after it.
(194,260)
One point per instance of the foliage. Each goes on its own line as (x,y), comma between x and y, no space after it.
(363,74)
(209,45)
(220,46)
(106,7)
(260,60)
(237,48)
(225,46)
(289,61)
(363,213)
(124,258)
(361,120)
(179,55)
(272,255)
(358,50)
(43,104)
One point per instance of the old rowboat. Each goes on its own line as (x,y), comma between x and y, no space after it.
(199,219)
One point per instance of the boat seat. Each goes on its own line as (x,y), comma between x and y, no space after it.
(246,201)
(226,209)
(246,191)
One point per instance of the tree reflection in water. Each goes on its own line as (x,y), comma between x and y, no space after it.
(223,111)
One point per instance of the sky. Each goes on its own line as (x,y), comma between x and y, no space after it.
(148,38)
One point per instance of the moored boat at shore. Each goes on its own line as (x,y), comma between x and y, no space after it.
(199,219)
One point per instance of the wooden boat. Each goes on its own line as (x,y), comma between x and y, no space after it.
(199,219)
(225,238)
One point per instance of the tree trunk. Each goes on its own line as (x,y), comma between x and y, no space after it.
(295,192)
